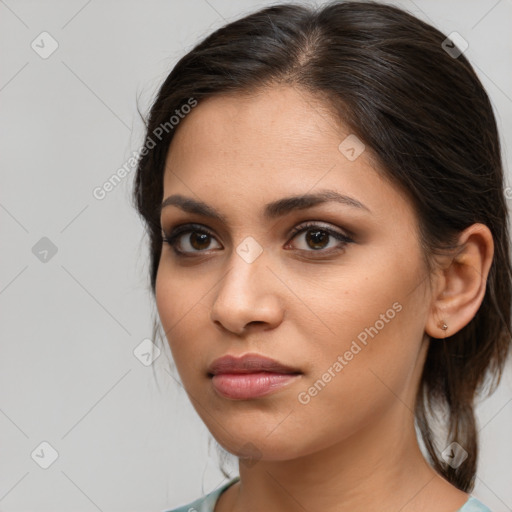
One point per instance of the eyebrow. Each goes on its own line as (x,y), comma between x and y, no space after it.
(272,210)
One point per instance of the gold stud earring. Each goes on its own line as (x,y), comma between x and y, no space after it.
(443,326)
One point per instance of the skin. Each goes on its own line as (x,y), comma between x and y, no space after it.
(352,446)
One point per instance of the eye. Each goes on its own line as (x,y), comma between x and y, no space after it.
(318,238)
(198,240)
(188,239)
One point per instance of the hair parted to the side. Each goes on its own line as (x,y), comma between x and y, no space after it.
(428,122)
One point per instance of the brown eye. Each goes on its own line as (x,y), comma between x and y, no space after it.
(187,240)
(199,241)
(318,239)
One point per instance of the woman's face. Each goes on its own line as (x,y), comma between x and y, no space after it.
(348,313)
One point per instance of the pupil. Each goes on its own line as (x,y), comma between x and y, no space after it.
(199,240)
(317,239)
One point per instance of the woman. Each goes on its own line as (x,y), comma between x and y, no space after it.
(329,256)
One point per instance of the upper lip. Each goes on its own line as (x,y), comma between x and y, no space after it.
(248,363)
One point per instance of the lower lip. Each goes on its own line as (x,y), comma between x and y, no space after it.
(241,386)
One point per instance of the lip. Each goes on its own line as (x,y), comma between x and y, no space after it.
(248,363)
(250,376)
(244,386)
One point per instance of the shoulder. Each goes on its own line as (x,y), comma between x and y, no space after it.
(206,503)
(474,505)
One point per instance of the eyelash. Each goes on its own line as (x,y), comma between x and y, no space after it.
(172,239)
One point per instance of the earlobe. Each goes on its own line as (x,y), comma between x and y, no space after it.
(462,283)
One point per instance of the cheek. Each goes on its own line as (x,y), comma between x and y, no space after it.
(166,294)
(178,304)
(367,302)
(375,318)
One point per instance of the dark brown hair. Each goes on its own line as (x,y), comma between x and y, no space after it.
(425,117)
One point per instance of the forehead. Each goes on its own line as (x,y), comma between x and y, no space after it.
(278,120)
(267,145)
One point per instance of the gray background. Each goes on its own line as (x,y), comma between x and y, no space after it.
(70,323)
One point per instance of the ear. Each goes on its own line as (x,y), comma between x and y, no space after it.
(460,285)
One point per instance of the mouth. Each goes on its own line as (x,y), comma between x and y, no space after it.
(250,376)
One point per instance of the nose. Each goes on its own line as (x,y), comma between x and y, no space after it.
(248,296)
